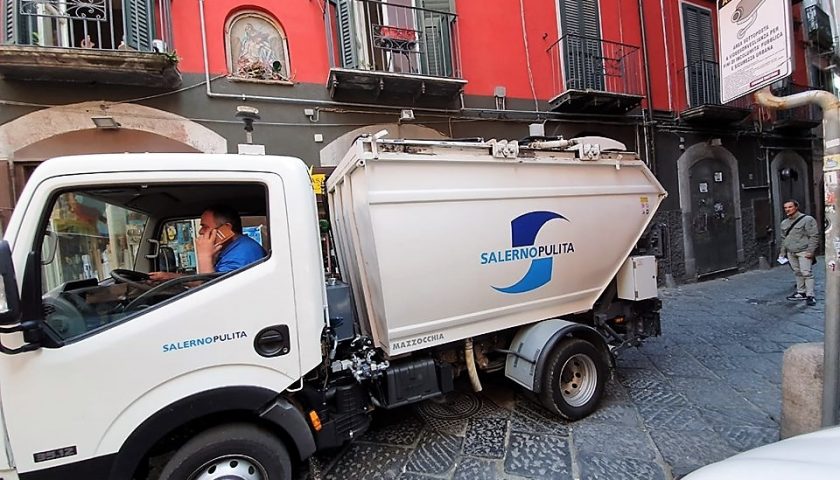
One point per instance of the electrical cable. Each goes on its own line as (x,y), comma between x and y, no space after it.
(528,55)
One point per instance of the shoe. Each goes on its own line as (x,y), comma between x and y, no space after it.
(812,301)
(797,296)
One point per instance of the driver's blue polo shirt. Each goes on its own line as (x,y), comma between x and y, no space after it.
(242,251)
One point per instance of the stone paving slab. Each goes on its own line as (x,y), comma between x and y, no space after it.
(705,390)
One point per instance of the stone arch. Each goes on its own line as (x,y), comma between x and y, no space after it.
(333,152)
(793,159)
(688,159)
(43,124)
(68,129)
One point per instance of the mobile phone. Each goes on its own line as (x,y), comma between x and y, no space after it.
(224,234)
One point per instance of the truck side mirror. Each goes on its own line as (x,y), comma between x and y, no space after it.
(49,247)
(9,294)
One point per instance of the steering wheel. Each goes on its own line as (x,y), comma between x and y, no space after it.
(178,281)
(131,277)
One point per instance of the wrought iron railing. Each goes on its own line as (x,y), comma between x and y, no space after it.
(141,25)
(588,63)
(377,36)
(805,113)
(702,82)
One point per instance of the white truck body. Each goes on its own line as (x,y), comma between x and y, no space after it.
(428,237)
(435,238)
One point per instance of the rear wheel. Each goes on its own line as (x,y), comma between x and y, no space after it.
(573,379)
(230,452)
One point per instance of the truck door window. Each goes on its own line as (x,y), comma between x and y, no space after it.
(100,245)
(85,239)
(176,251)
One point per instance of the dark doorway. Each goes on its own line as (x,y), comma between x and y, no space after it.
(793,186)
(713,228)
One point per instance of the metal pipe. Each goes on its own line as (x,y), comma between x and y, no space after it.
(469,356)
(650,148)
(830,106)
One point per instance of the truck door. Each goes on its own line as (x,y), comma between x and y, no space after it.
(128,351)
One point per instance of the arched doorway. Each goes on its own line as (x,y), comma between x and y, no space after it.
(789,177)
(69,130)
(711,209)
(88,142)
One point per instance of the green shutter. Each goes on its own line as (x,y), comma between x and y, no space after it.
(582,54)
(346,34)
(17,28)
(9,21)
(436,30)
(139,21)
(702,75)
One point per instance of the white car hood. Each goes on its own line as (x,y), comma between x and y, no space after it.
(814,456)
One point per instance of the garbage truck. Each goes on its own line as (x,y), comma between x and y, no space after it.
(444,261)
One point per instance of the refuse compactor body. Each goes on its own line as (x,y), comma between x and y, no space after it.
(442,241)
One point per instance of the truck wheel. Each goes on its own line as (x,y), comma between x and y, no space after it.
(230,452)
(573,379)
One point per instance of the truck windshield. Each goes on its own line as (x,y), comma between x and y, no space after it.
(88,238)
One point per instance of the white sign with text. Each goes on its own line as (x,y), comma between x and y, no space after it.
(755,45)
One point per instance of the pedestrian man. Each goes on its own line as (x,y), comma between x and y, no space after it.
(800,237)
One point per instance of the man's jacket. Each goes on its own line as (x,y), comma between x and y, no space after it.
(803,237)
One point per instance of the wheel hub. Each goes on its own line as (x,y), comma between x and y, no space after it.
(578,380)
(230,467)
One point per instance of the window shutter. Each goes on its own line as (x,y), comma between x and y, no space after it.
(9,21)
(16,27)
(346,36)
(439,5)
(583,58)
(138,18)
(701,65)
(436,29)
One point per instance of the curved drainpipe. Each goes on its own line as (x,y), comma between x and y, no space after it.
(830,106)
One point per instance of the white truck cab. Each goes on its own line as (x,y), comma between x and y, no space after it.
(103,372)
(444,259)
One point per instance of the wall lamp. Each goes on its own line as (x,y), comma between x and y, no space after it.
(105,122)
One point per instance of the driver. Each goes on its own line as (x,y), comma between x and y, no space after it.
(238,252)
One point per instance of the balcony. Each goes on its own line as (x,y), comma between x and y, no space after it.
(794,119)
(122,42)
(593,75)
(702,103)
(390,53)
(818,27)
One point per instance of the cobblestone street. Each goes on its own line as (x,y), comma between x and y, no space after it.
(705,390)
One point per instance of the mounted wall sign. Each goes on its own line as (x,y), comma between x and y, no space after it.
(755,45)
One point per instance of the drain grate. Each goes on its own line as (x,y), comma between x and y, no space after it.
(452,406)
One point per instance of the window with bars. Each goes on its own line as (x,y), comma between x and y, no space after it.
(400,36)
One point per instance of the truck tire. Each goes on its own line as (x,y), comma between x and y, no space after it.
(574,379)
(237,451)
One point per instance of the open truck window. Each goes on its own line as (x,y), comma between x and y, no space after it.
(99,245)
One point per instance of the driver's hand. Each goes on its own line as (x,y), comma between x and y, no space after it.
(205,244)
(162,276)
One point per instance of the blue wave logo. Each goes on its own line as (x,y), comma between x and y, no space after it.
(524,230)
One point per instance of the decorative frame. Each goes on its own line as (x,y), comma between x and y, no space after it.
(257,49)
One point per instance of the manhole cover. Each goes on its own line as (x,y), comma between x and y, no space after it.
(452,406)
